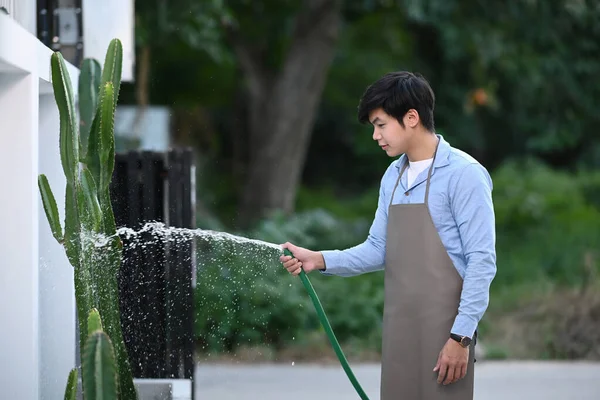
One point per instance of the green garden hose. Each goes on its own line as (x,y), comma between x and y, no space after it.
(330,335)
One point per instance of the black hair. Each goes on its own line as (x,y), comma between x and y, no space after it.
(396,93)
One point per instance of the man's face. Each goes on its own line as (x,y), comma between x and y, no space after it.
(389,134)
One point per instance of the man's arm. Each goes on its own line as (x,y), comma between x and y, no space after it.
(368,256)
(473,211)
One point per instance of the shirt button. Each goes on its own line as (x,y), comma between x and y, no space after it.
(407,193)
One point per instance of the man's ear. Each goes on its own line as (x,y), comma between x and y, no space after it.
(411,118)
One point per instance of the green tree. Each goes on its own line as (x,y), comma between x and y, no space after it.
(284,61)
(511,80)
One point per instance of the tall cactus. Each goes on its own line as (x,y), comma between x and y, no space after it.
(71,390)
(90,239)
(100,380)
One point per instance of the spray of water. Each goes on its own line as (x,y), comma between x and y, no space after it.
(241,290)
(167,233)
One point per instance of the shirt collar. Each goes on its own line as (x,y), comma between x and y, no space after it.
(441,159)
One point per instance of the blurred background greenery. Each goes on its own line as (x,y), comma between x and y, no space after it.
(266,93)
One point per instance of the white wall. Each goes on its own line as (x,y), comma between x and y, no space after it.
(57,333)
(23,11)
(37,306)
(153,128)
(37,316)
(105,20)
(19,352)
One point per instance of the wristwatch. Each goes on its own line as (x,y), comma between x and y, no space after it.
(464,341)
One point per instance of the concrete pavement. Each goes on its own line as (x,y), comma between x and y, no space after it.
(494,380)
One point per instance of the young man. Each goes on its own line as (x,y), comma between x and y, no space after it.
(433,234)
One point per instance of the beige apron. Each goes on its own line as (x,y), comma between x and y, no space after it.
(422,294)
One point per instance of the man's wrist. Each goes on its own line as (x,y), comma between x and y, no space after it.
(464,341)
(321,262)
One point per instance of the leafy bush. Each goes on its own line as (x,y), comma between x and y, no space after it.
(526,193)
(316,229)
(546,222)
(244,297)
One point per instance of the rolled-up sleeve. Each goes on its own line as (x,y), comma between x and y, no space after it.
(368,256)
(473,211)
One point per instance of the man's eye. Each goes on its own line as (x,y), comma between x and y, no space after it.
(381,125)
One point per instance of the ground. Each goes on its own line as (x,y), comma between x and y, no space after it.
(494,380)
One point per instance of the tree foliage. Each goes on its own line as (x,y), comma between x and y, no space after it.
(511,80)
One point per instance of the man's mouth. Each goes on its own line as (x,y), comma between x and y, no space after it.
(384,146)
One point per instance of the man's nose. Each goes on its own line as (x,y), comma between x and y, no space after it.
(376,134)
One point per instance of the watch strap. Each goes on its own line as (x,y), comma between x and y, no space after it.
(459,339)
(455,337)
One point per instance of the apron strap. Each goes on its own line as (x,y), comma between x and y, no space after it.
(398,180)
(426,200)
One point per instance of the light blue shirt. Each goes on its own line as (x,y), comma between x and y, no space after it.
(460,203)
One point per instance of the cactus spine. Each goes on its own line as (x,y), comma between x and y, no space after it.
(87,156)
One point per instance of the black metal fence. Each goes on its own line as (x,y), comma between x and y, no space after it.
(157,278)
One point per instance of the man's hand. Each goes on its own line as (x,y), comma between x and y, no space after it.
(452,362)
(304,259)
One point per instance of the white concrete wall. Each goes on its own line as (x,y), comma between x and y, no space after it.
(37,305)
(105,20)
(23,11)
(153,129)
(37,316)
(56,294)
(19,287)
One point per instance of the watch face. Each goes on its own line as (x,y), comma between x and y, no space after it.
(465,341)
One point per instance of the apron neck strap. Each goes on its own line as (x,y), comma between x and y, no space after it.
(405,165)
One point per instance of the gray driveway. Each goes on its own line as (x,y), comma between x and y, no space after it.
(493,381)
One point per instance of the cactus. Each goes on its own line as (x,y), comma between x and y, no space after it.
(90,239)
(94,322)
(50,208)
(100,380)
(71,390)
(89,82)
